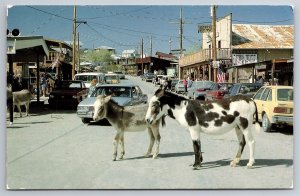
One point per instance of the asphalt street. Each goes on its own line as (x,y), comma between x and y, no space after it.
(53,149)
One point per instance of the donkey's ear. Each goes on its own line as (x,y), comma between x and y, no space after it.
(160,92)
(107,98)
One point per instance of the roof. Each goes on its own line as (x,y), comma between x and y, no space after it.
(247,36)
(26,42)
(129,51)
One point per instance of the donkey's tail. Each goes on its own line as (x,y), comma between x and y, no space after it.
(257,126)
(163,121)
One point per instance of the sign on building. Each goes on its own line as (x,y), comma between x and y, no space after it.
(242,59)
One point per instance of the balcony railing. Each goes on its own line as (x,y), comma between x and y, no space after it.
(53,55)
(204,55)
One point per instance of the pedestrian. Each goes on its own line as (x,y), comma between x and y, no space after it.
(185,84)
(189,82)
(57,82)
(43,84)
(92,87)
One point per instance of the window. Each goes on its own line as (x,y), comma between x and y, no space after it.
(258,94)
(265,94)
(219,44)
(285,95)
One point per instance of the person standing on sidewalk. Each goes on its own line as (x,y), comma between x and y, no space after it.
(185,84)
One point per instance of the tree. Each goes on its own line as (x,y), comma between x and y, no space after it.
(99,56)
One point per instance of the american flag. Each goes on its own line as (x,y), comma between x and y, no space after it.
(220,76)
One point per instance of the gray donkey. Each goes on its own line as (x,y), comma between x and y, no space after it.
(20,98)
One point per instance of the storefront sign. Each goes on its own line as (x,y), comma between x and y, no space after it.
(242,59)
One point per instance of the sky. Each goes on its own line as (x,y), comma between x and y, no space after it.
(124,26)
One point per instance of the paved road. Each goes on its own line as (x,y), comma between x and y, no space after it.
(54,150)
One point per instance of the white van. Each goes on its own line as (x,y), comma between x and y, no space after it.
(89,76)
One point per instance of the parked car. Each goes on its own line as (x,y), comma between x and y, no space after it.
(173,84)
(68,93)
(275,106)
(124,95)
(87,77)
(148,77)
(198,89)
(112,78)
(179,87)
(121,74)
(217,91)
(247,89)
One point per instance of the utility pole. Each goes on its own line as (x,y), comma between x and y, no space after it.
(181,22)
(142,52)
(170,45)
(150,45)
(78,47)
(74,40)
(214,45)
(74,43)
(180,31)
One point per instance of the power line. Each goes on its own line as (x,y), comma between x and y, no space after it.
(117,14)
(49,13)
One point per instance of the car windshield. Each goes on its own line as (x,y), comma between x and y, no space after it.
(85,78)
(112,77)
(285,95)
(70,85)
(115,91)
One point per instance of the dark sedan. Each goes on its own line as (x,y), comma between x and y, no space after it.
(124,95)
(68,94)
(247,89)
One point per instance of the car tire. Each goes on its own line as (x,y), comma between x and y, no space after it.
(266,125)
(85,120)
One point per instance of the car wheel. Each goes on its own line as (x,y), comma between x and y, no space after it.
(266,125)
(86,120)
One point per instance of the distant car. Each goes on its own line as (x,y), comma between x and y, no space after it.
(148,77)
(247,89)
(198,89)
(121,74)
(68,94)
(179,87)
(275,106)
(217,91)
(124,95)
(112,78)
(173,84)
(87,77)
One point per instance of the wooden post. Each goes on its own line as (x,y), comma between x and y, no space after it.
(10,75)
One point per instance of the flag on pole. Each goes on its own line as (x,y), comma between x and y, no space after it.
(220,76)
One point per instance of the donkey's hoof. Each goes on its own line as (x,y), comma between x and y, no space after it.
(249,166)
(233,164)
(147,155)
(154,156)
(114,159)
(196,166)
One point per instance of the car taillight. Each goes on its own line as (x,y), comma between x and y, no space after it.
(283,110)
(200,90)
(220,93)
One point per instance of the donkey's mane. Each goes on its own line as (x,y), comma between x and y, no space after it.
(166,97)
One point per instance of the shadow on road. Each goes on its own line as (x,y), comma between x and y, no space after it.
(166,155)
(259,163)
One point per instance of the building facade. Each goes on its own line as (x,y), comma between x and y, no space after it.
(244,51)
